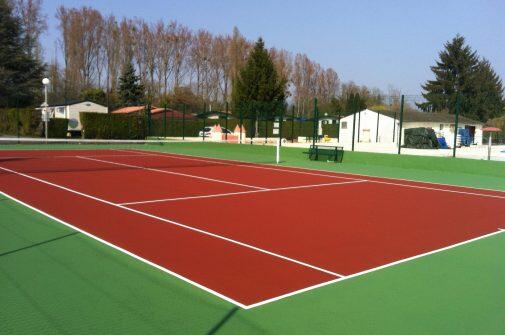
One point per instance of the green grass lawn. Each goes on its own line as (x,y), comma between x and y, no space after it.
(53,281)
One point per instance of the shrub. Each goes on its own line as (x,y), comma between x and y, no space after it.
(58,128)
(22,122)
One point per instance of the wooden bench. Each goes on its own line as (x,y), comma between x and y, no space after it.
(332,153)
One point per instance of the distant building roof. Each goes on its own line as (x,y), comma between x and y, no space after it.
(410,116)
(132,109)
(72,102)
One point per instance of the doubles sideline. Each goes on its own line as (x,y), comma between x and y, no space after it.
(330,175)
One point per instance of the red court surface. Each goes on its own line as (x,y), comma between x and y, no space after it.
(248,233)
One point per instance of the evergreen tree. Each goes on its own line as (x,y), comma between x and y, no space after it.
(259,89)
(20,73)
(459,74)
(489,101)
(131,91)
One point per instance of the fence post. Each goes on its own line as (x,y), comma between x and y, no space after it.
(293,124)
(226,123)
(315,123)
(338,127)
(401,126)
(17,116)
(456,123)
(394,128)
(172,125)
(183,121)
(359,125)
(377,131)
(241,121)
(353,127)
(165,121)
(280,126)
(204,120)
(266,127)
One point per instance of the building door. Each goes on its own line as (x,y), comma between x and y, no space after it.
(365,136)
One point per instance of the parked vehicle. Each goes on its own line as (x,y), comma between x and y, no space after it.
(207,131)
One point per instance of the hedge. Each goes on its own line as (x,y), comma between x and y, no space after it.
(58,128)
(22,122)
(113,126)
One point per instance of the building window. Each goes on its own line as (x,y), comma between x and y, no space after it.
(441,126)
(344,125)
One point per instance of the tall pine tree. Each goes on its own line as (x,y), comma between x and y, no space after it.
(459,74)
(489,101)
(258,88)
(131,91)
(20,73)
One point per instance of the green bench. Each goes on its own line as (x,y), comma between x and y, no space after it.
(332,153)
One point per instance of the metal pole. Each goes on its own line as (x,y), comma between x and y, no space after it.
(46,112)
(490,141)
(338,128)
(204,121)
(17,116)
(293,124)
(377,131)
(165,121)
(456,121)
(353,128)
(394,128)
(183,121)
(266,127)
(401,125)
(241,121)
(316,125)
(281,120)
(359,123)
(226,123)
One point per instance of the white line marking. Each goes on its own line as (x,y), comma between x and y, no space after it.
(238,193)
(361,273)
(201,231)
(234,163)
(438,189)
(500,229)
(169,155)
(187,280)
(174,173)
(69,156)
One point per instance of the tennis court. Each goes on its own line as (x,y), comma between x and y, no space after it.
(248,233)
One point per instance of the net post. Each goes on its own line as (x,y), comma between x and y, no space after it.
(456,121)
(400,128)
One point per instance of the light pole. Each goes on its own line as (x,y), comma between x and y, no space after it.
(45,106)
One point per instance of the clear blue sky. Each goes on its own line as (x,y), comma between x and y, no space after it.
(375,43)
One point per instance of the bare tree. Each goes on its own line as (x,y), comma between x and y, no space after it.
(33,22)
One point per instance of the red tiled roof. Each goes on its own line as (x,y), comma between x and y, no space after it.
(132,109)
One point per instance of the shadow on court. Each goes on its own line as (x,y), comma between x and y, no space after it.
(223,321)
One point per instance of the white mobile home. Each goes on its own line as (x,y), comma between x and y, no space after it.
(71,110)
(383,126)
